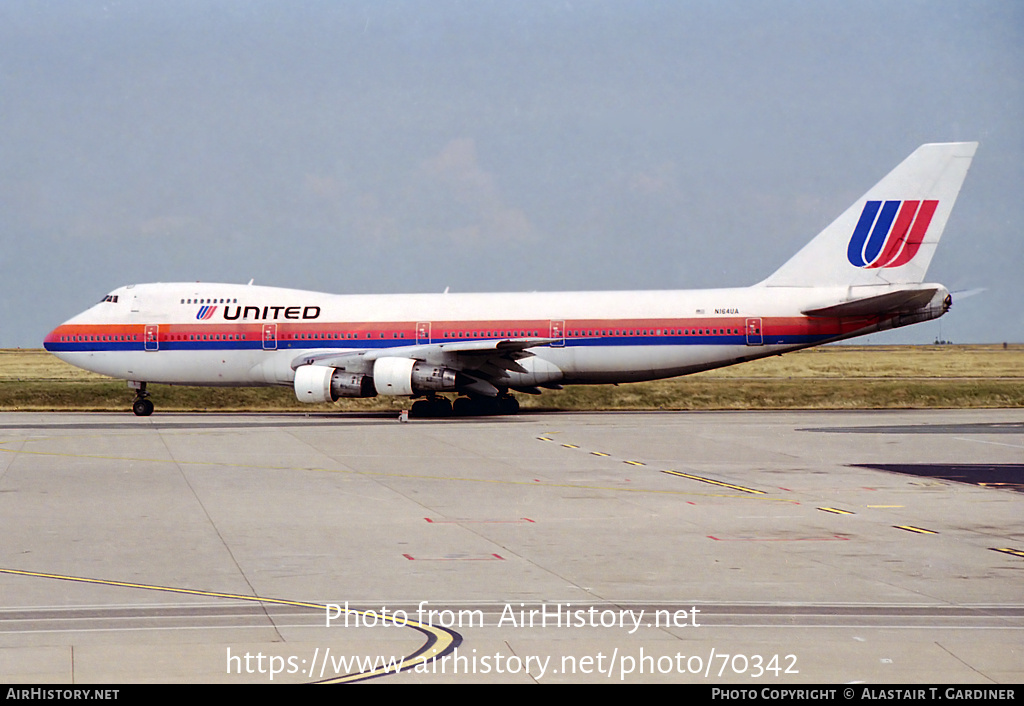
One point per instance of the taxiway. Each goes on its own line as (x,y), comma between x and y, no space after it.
(677,547)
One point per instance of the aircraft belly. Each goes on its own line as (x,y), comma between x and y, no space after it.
(607,364)
(217,368)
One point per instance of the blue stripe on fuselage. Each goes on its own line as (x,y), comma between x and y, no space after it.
(712,340)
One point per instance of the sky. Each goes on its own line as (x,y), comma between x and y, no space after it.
(385,146)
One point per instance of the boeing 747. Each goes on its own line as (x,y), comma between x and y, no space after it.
(863,273)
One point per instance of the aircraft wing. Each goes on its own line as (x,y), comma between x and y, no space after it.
(903,300)
(486,356)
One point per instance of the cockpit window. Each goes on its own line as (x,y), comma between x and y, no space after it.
(110,298)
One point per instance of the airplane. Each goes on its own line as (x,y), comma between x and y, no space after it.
(863,273)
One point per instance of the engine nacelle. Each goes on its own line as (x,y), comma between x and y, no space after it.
(406,376)
(320,383)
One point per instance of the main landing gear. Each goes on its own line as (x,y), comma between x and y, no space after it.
(473,406)
(142,406)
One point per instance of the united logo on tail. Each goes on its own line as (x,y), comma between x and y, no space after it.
(898,229)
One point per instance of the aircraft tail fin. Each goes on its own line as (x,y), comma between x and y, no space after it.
(889,235)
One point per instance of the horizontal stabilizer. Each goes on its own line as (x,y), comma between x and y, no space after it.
(904,300)
(962,294)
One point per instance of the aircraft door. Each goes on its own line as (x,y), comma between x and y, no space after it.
(151,337)
(423,332)
(754,337)
(270,337)
(558,331)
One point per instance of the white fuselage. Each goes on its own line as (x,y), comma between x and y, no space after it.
(240,335)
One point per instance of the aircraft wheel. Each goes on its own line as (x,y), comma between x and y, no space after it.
(477,406)
(431,408)
(486,405)
(470,407)
(508,405)
(489,406)
(142,407)
(441,407)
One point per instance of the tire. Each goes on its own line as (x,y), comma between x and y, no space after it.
(464,407)
(508,405)
(436,408)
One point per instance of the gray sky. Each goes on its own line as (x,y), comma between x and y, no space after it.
(491,146)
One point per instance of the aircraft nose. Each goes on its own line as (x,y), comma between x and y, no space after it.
(54,338)
(61,339)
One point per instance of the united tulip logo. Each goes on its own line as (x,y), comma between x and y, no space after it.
(889,233)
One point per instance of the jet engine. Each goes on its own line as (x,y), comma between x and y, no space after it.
(320,383)
(406,376)
(391,376)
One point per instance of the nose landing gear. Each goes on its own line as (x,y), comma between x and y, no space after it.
(142,406)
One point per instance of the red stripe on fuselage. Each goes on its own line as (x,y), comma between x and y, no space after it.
(405,332)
